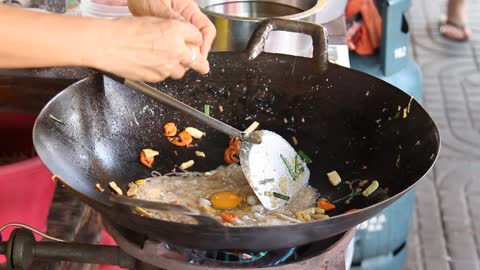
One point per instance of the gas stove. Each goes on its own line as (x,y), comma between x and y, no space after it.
(154,255)
(135,252)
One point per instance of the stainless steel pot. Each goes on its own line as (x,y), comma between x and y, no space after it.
(236,20)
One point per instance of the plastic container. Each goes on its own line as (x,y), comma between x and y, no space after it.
(105,8)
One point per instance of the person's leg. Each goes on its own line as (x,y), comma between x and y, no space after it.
(454,27)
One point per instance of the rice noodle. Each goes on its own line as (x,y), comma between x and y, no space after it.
(190,188)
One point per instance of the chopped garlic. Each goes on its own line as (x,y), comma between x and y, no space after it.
(140,182)
(405,112)
(200,154)
(132,190)
(294,140)
(371,188)
(149,153)
(305,215)
(186,165)
(196,133)
(319,216)
(143,212)
(99,187)
(334,178)
(203,201)
(252,200)
(252,127)
(114,186)
(220,108)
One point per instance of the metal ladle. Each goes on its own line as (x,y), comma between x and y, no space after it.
(272,167)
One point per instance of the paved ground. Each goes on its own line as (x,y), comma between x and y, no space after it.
(446,229)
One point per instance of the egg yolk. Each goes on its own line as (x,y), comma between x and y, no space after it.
(225,200)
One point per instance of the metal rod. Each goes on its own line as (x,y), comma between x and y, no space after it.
(174,103)
(84,253)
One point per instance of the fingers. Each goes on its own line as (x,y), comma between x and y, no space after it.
(190,33)
(192,58)
(206,27)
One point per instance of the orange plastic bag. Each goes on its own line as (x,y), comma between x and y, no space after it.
(364,38)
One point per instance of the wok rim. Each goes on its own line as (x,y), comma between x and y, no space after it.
(382,205)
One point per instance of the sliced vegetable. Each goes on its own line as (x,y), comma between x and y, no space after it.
(294,140)
(184,139)
(200,154)
(99,187)
(195,133)
(371,188)
(228,217)
(132,189)
(252,127)
(140,182)
(281,196)
(325,205)
(220,108)
(186,165)
(147,157)
(114,186)
(351,210)
(55,119)
(206,109)
(304,156)
(319,216)
(143,212)
(225,200)
(307,214)
(290,170)
(170,129)
(334,178)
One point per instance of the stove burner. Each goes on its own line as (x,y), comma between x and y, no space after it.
(232,258)
(157,255)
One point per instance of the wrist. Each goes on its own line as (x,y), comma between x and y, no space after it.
(94,42)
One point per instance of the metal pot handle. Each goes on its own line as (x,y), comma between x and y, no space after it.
(256,45)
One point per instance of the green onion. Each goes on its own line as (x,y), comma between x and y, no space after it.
(290,171)
(281,196)
(296,164)
(55,119)
(304,156)
(206,109)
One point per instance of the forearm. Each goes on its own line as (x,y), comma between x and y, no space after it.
(30,39)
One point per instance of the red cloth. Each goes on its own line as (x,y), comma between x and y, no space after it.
(26,187)
(25,195)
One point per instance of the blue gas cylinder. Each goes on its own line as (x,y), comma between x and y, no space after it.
(381,242)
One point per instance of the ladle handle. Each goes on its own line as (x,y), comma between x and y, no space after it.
(256,44)
(176,104)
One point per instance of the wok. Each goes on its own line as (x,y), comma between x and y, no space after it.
(343,119)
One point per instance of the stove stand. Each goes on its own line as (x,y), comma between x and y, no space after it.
(151,255)
(135,253)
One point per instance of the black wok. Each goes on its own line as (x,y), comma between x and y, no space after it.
(352,123)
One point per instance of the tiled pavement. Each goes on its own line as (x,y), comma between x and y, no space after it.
(446,229)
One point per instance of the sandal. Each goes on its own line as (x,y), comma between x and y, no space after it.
(454,31)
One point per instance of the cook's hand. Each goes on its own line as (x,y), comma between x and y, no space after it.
(186,10)
(150,49)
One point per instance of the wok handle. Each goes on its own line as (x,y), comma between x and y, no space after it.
(168,100)
(256,45)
